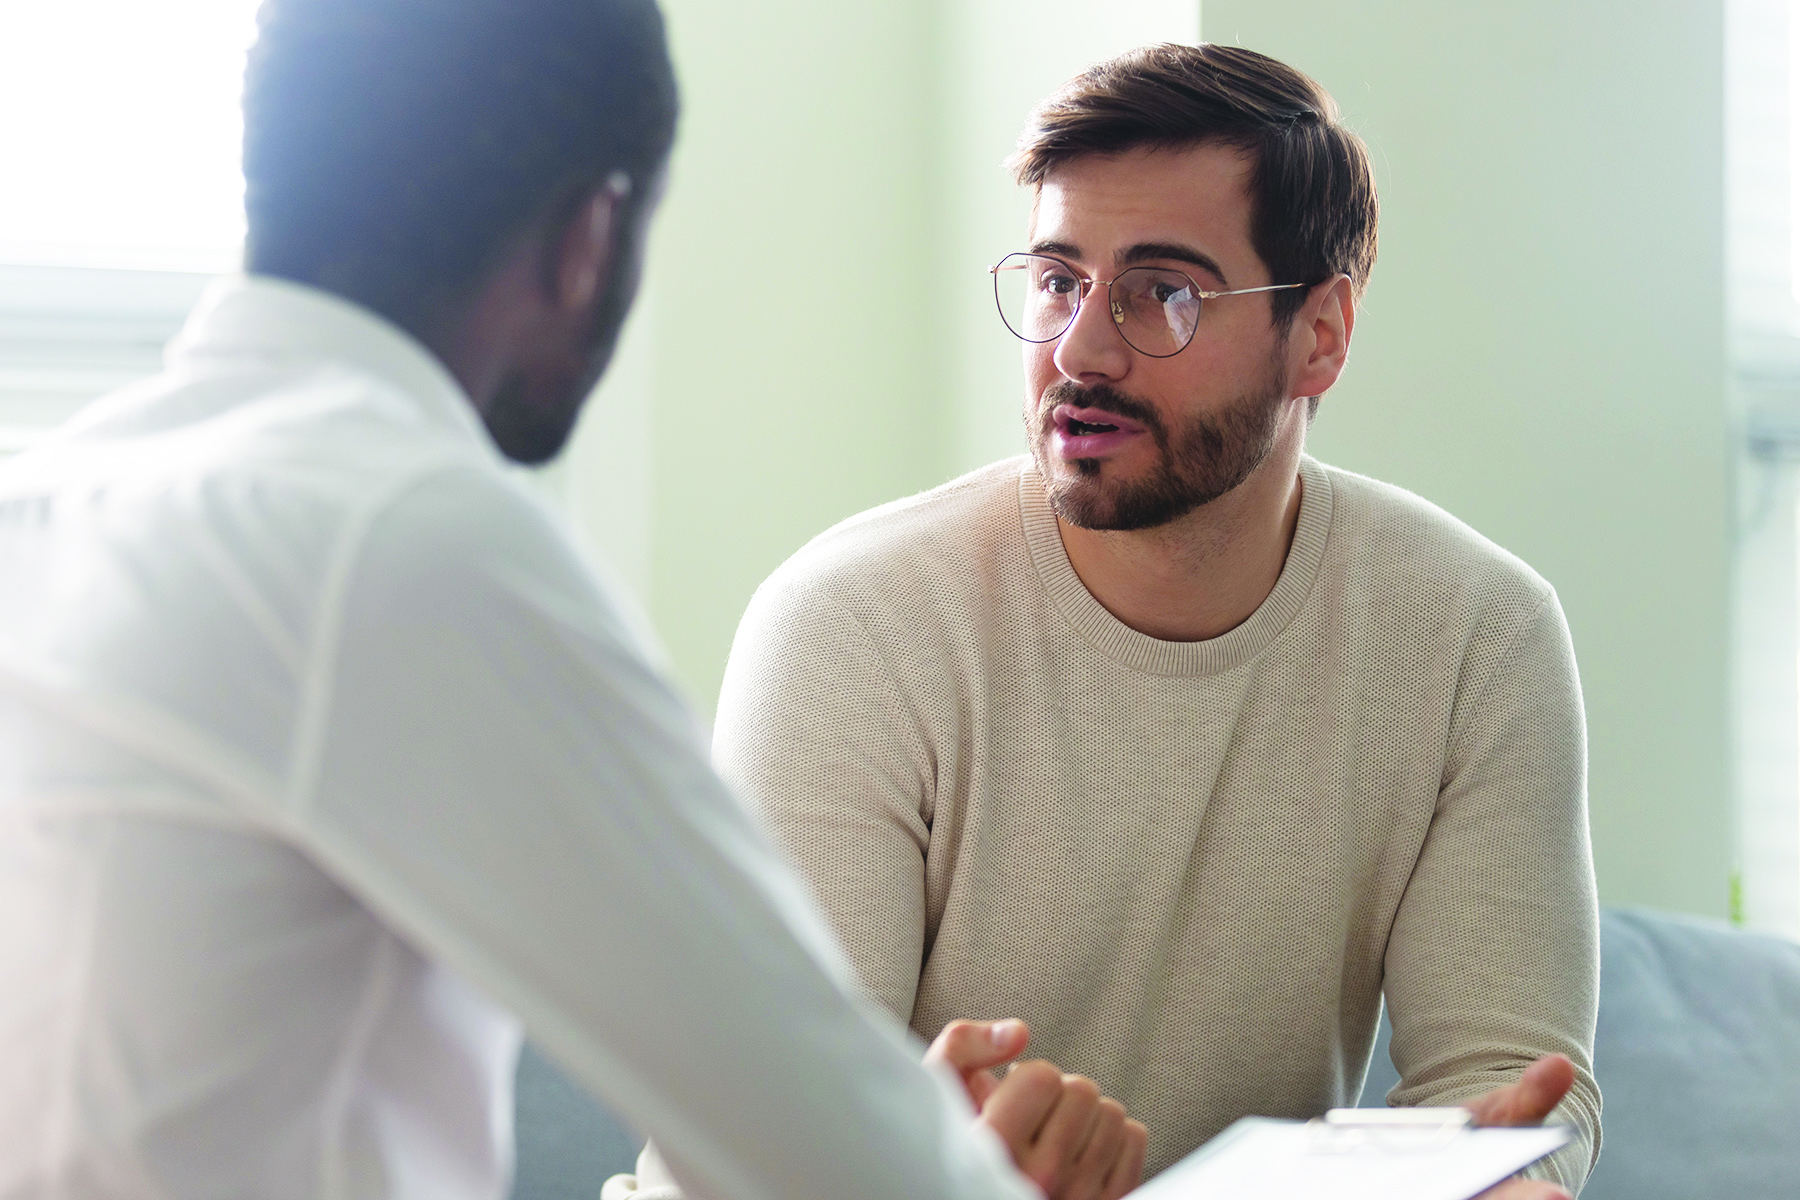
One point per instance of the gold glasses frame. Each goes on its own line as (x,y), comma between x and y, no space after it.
(1087,283)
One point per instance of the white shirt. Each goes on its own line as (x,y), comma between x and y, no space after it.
(321,753)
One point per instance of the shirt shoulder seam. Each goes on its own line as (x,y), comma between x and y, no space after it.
(319,674)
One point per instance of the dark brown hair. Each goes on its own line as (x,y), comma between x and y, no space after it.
(1312,194)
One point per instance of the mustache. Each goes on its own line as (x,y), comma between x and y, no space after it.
(1104,397)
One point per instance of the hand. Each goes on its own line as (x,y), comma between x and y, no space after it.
(1066,1137)
(1530,1100)
(1525,1189)
(1526,1102)
(973,1048)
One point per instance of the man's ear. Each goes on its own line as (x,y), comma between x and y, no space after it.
(585,247)
(1321,337)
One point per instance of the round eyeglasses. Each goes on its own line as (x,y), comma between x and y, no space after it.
(1155,309)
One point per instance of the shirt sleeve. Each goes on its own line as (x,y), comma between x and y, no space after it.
(489,761)
(817,739)
(807,732)
(1493,958)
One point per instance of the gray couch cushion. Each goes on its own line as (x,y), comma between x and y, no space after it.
(1698,1057)
(568,1143)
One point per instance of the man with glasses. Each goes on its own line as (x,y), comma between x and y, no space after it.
(1168,739)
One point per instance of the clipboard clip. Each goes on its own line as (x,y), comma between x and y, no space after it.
(1414,1130)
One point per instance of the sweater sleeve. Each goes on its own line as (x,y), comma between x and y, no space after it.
(814,734)
(1493,958)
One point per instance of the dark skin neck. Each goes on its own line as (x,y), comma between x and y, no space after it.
(526,333)
(528,329)
(528,342)
(484,339)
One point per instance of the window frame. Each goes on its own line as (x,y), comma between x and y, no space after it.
(71,334)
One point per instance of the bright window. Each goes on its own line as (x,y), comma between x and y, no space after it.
(120,189)
(1763,287)
(121,145)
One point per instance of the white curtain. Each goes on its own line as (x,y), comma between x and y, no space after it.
(1762,46)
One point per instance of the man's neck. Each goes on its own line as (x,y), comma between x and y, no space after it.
(1205,574)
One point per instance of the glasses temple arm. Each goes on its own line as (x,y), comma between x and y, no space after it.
(1273,287)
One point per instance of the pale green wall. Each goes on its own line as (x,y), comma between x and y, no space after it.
(789,286)
(1542,352)
(817,305)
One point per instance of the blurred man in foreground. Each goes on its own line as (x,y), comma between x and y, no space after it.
(325,761)
(1167,738)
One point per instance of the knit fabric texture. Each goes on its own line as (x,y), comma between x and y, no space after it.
(1192,867)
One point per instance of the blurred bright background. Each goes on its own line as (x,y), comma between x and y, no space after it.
(122,147)
(1583,336)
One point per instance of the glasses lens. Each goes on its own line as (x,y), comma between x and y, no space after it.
(1157,310)
(1037,296)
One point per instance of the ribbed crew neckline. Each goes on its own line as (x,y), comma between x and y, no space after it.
(1125,645)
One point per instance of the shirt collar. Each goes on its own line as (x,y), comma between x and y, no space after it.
(276,320)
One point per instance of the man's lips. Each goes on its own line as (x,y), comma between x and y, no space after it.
(1090,432)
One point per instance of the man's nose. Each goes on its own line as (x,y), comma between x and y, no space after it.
(1090,349)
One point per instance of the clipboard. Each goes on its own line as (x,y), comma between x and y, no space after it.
(1356,1154)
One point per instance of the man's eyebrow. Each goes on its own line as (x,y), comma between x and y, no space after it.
(1057,249)
(1175,252)
(1141,253)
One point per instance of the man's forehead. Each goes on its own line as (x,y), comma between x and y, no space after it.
(1101,205)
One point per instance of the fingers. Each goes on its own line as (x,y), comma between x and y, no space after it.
(971,1048)
(1106,1137)
(1542,1088)
(1064,1135)
(1050,1162)
(980,1086)
(1021,1105)
(1525,1189)
(1112,1162)
(1530,1100)
(1128,1168)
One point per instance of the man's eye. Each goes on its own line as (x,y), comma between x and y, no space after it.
(1059,285)
(1164,293)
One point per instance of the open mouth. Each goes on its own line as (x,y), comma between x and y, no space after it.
(1081,433)
(1073,422)
(1084,428)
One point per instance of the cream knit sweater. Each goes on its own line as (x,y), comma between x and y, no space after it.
(1192,867)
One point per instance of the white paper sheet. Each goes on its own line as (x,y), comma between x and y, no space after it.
(1294,1160)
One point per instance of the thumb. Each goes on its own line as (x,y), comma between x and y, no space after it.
(970,1046)
(1539,1090)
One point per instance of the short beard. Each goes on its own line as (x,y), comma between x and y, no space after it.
(1203,459)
